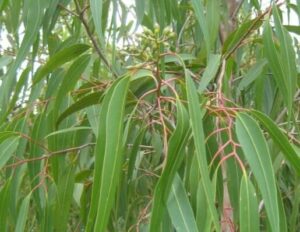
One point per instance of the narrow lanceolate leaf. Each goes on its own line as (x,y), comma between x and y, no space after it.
(96,8)
(249,215)
(7,134)
(210,72)
(180,209)
(257,154)
(7,149)
(280,139)
(17,89)
(4,202)
(237,36)
(60,58)
(108,155)
(203,218)
(86,101)
(209,22)
(36,11)
(253,73)
(65,188)
(293,29)
(67,130)
(139,10)
(70,80)
(282,59)
(198,135)
(39,131)
(23,214)
(175,156)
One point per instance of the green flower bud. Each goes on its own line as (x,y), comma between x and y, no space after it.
(172,34)
(156,28)
(167,31)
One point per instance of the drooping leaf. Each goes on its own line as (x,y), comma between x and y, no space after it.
(4,202)
(64,199)
(236,37)
(252,74)
(70,79)
(23,214)
(180,209)
(72,129)
(175,156)
(61,57)
(108,155)
(7,149)
(285,73)
(6,134)
(36,12)
(198,136)
(249,215)
(208,22)
(257,154)
(292,28)
(86,101)
(210,71)
(281,140)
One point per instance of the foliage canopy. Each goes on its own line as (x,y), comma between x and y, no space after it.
(159,115)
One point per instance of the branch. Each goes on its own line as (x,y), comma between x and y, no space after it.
(48,155)
(250,29)
(90,35)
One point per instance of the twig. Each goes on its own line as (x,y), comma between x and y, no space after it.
(94,42)
(236,10)
(267,11)
(181,32)
(49,155)
(66,9)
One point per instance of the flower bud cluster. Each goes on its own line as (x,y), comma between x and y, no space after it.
(151,43)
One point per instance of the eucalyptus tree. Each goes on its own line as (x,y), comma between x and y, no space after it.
(149,115)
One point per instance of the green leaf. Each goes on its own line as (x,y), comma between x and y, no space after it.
(86,101)
(253,73)
(5,60)
(61,57)
(65,188)
(285,73)
(203,218)
(140,10)
(6,134)
(175,156)
(108,155)
(19,86)
(134,153)
(249,216)
(279,138)
(174,58)
(257,154)
(237,36)
(39,131)
(210,72)
(67,130)
(92,114)
(4,202)
(199,12)
(198,136)
(96,8)
(36,11)
(23,214)
(293,29)
(7,149)
(209,22)
(70,79)
(180,209)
